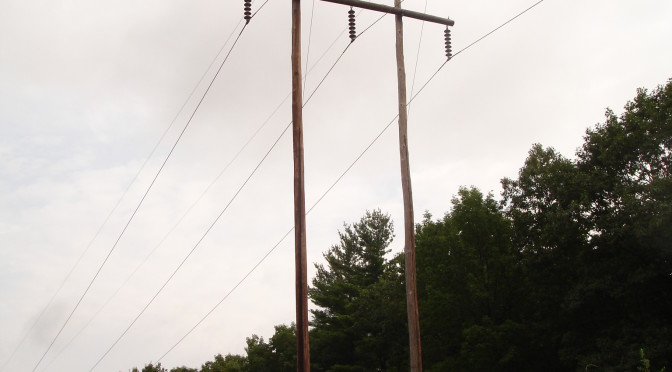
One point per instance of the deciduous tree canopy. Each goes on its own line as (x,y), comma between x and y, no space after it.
(571,269)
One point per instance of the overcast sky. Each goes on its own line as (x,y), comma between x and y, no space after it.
(88,88)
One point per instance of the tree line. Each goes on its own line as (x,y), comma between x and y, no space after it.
(569,271)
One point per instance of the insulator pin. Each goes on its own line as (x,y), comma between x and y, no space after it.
(352,25)
(248,11)
(449,46)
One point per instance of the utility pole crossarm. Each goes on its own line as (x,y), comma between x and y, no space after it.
(393,10)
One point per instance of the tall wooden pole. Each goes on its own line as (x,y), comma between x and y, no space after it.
(302,349)
(409,224)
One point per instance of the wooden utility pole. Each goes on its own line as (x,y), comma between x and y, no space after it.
(409,223)
(302,346)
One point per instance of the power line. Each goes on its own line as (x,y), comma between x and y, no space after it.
(290,230)
(310,36)
(497,28)
(218,216)
(417,57)
(269,252)
(141,201)
(193,204)
(88,246)
(211,225)
(352,164)
(135,178)
(170,231)
(201,101)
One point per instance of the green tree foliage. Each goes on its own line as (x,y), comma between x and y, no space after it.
(380,316)
(628,268)
(571,270)
(152,368)
(283,344)
(259,355)
(355,295)
(595,239)
(550,232)
(183,369)
(229,363)
(469,288)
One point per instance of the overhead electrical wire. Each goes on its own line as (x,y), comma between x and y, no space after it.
(311,208)
(270,251)
(310,37)
(340,177)
(144,196)
(189,209)
(207,230)
(337,38)
(223,210)
(81,256)
(497,28)
(417,58)
(116,206)
(170,231)
(331,187)
(233,198)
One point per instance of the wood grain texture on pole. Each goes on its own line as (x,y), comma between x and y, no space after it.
(409,223)
(302,349)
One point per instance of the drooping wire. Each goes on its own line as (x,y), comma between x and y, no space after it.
(260,8)
(340,177)
(173,228)
(417,59)
(341,34)
(116,206)
(192,116)
(288,232)
(267,254)
(345,29)
(138,206)
(497,28)
(373,24)
(310,38)
(217,218)
(194,204)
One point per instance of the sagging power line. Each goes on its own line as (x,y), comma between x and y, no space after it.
(217,218)
(339,178)
(141,200)
(446,61)
(116,205)
(165,237)
(303,349)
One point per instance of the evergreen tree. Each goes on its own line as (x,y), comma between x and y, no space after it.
(352,266)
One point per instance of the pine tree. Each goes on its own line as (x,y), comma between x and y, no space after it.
(352,266)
